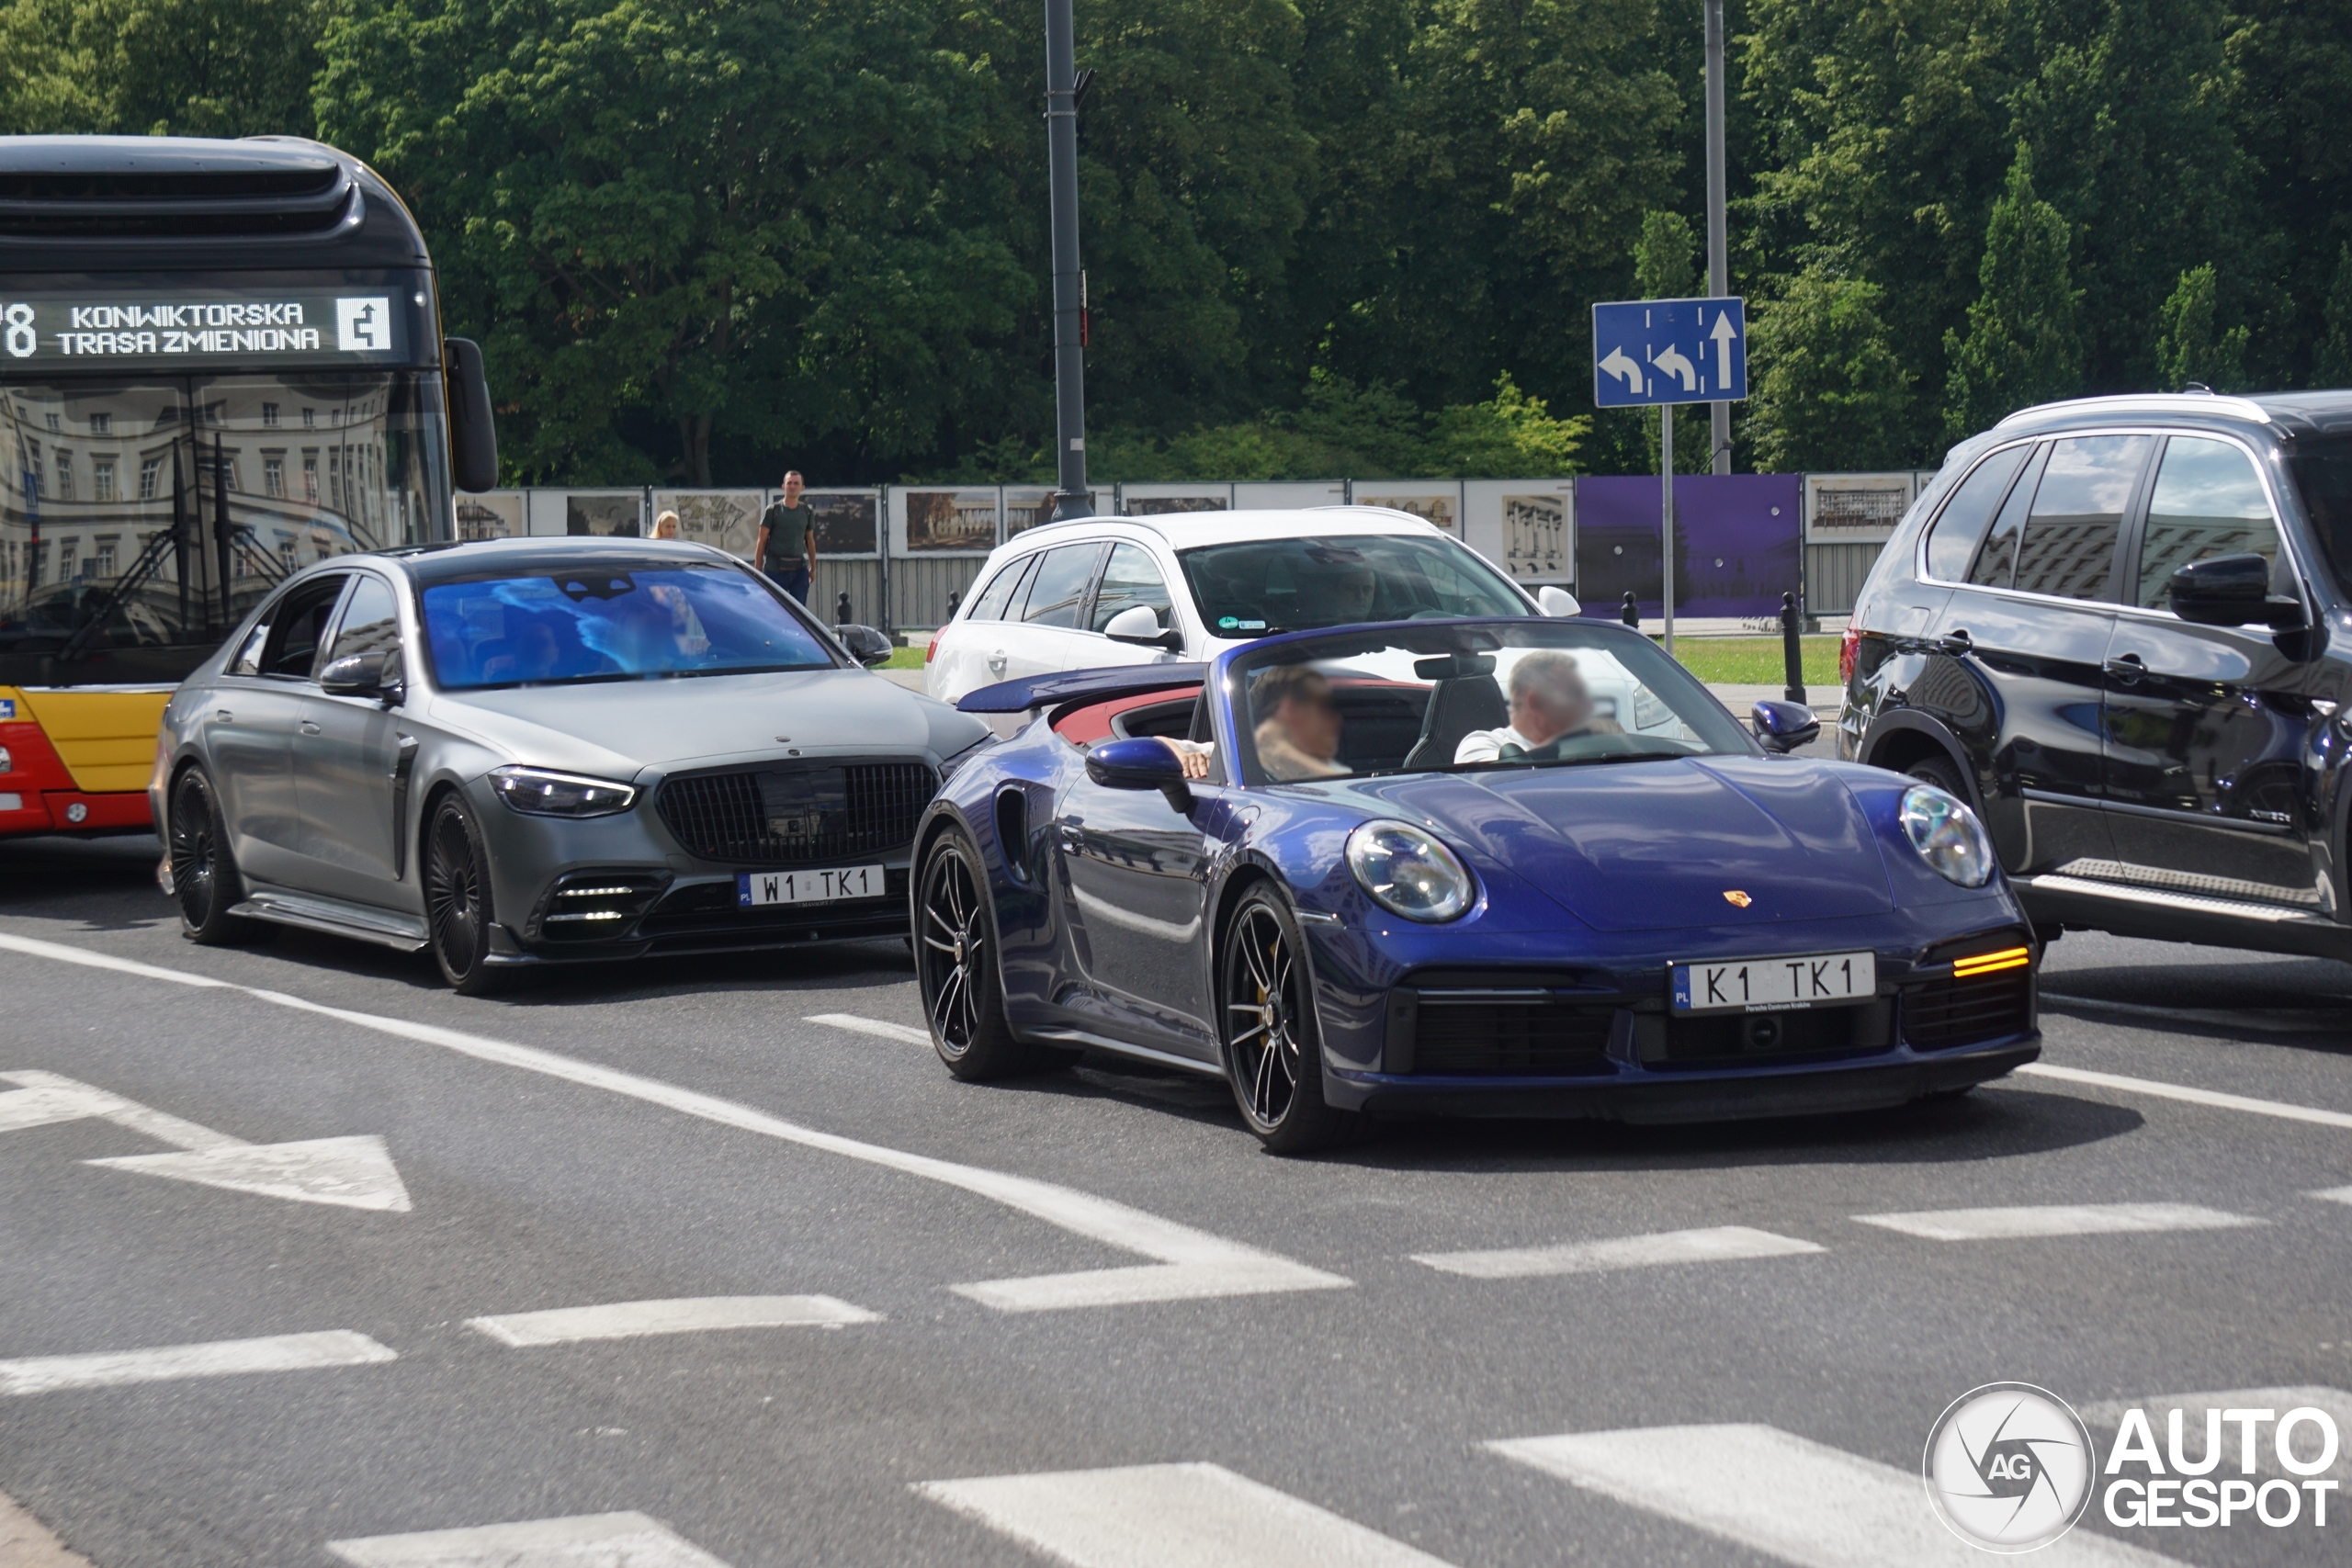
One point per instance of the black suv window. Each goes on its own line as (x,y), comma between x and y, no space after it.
(2322,472)
(1997,563)
(2209,501)
(2068,551)
(1965,515)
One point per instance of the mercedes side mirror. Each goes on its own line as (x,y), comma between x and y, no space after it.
(2230,591)
(866,645)
(1557,603)
(1139,625)
(372,674)
(473,435)
(1140,763)
(1784,727)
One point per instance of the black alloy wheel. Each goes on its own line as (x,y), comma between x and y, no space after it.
(204,875)
(1272,1056)
(955,940)
(456,899)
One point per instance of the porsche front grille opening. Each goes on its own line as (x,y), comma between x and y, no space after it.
(1940,1015)
(798,816)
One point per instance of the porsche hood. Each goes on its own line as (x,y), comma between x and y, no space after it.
(1647,846)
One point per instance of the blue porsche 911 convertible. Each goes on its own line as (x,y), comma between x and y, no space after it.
(1508,867)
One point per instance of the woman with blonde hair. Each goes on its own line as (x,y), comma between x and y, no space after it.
(666,525)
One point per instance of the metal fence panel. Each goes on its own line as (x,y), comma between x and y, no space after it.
(1834,575)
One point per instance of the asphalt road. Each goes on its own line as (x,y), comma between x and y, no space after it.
(690,1129)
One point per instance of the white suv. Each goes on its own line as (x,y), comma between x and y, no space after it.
(1103,590)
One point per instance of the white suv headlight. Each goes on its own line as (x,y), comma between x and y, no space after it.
(538,793)
(1948,836)
(1409,872)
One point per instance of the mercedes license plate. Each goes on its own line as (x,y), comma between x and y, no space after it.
(753,888)
(1775,984)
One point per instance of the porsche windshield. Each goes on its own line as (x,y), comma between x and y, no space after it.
(1453,698)
(1258,587)
(612,623)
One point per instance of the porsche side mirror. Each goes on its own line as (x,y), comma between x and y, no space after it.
(866,645)
(372,674)
(1557,603)
(1140,763)
(1139,625)
(1784,727)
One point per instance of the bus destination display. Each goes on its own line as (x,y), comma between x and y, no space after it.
(177,326)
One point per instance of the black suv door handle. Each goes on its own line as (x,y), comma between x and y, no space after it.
(1955,642)
(2127,668)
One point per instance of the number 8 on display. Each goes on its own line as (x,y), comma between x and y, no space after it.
(21,338)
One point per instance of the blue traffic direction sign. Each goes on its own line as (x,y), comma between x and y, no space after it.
(1646,351)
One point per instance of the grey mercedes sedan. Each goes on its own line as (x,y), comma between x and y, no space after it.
(521,751)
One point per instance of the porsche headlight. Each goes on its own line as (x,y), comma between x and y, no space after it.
(1948,836)
(538,793)
(1409,872)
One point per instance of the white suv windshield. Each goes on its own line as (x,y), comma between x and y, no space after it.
(1259,587)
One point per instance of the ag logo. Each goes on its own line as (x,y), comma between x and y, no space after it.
(2008,1467)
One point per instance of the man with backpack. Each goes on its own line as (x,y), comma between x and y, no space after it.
(786,551)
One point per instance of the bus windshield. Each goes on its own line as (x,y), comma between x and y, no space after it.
(142,515)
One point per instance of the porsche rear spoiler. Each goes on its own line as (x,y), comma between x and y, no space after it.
(1034,692)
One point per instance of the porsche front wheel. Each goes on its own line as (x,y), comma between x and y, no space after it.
(954,943)
(1266,1017)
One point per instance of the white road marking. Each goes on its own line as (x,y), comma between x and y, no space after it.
(1189,1264)
(2056,1219)
(686,1314)
(586,1540)
(1719,1244)
(879,1026)
(2107,1414)
(352,1172)
(1785,1496)
(2214,1097)
(1169,1516)
(2334,1194)
(106,1368)
(40,1107)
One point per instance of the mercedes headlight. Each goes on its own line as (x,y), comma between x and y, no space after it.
(1948,836)
(538,793)
(1409,872)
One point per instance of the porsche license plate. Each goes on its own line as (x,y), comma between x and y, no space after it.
(1775,984)
(753,888)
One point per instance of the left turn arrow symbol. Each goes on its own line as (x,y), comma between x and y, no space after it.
(351,1172)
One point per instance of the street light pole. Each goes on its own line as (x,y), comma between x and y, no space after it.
(1718,259)
(1072,499)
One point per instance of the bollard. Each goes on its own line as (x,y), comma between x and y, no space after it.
(1792,651)
(955,602)
(1631,614)
(841,613)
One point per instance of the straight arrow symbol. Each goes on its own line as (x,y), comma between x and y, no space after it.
(1722,334)
(350,1172)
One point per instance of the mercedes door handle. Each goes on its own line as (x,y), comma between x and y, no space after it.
(2127,668)
(310,728)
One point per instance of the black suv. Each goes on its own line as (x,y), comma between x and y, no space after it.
(2122,627)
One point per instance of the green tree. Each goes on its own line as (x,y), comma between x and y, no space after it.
(1664,267)
(2333,364)
(160,67)
(1828,390)
(2191,346)
(2022,345)
(2287,92)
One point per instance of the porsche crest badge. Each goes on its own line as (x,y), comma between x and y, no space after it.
(1737,899)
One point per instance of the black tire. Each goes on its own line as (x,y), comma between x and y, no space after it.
(205,883)
(458,912)
(1273,1057)
(1938,771)
(955,968)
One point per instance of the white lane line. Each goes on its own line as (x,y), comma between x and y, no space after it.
(1169,1516)
(2333,1194)
(2056,1219)
(877,1026)
(686,1314)
(585,1540)
(2214,1097)
(1189,1264)
(2247,1448)
(108,1368)
(1719,1244)
(1785,1496)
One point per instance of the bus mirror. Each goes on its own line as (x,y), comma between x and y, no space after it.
(473,439)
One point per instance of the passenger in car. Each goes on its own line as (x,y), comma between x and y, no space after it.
(1549,703)
(1297,738)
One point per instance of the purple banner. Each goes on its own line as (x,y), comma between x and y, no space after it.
(1742,539)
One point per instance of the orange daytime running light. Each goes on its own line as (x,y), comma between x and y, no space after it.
(1990,963)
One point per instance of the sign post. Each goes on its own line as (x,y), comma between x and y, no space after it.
(1658,353)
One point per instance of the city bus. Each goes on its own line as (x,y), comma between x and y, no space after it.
(220,361)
